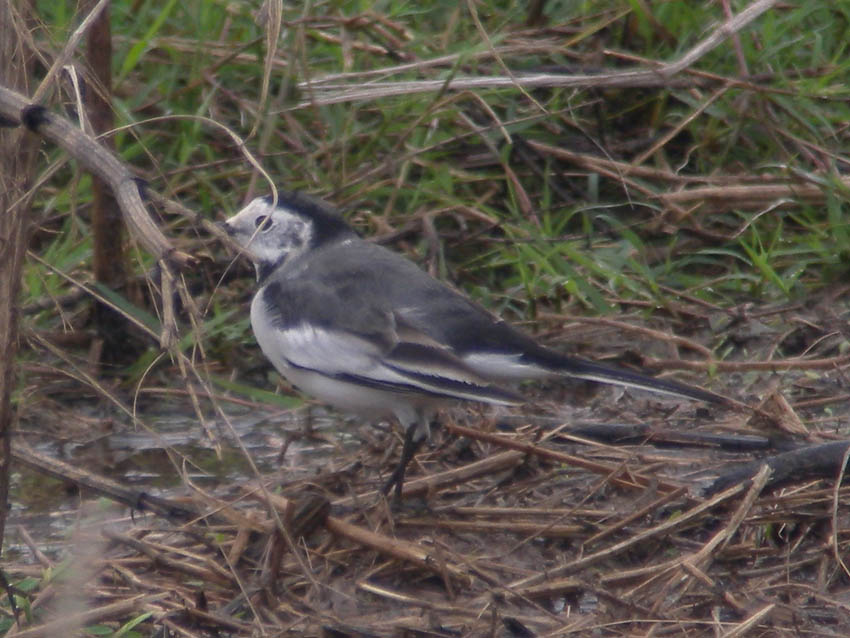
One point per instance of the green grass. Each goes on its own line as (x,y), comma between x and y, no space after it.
(589,240)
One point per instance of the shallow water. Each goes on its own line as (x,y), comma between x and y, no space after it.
(159,458)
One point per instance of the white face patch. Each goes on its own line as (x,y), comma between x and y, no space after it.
(268,234)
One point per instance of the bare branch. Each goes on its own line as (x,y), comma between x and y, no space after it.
(17,109)
(325,93)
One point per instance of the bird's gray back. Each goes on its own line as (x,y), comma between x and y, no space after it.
(358,279)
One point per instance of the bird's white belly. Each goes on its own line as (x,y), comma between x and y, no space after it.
(340,394)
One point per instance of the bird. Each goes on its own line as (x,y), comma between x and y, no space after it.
(366,330)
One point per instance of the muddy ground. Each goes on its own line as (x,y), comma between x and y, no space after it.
(593,512)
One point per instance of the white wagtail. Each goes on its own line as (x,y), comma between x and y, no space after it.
(366,330)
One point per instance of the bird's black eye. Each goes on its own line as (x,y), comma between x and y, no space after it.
(263,222)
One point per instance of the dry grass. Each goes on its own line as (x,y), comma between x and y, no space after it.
(520,525)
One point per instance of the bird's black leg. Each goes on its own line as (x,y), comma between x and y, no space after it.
(411,445)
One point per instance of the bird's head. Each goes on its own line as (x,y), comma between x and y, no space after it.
(271,234)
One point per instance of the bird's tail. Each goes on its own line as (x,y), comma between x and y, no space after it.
(583,369)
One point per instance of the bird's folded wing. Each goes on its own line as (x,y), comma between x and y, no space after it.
(397,366)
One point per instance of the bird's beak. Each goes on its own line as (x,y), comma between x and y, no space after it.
(225,227)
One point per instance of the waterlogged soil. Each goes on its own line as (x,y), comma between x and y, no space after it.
(555,528)
(162,452)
